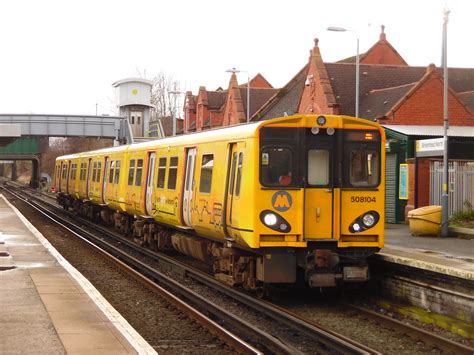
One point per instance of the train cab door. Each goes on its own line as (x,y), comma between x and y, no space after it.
(104,183)
(149,184)
(189,186)
(319,190)
(68,175)
(88,181)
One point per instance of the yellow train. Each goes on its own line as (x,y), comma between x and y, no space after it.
(292,199)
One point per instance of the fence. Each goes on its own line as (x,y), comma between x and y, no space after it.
(460,186)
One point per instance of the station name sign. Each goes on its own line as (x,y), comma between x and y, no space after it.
(430,147)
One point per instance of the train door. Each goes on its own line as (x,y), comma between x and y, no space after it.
(88,181)
(104,183)
(319,190)
(189,185)
(230,190)
(60,174)
(149,184)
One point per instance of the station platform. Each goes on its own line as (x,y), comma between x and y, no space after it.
(451,256)
(48,307)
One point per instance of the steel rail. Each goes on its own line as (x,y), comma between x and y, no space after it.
(108,251)
(316,332)
(440,342)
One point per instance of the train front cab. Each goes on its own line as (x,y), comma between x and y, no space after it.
(321,200)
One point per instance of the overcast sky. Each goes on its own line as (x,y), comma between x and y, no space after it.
(61,57)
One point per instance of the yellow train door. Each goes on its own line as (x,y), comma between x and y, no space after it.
(319,190)
(189,184)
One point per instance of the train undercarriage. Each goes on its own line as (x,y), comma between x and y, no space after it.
(320,265)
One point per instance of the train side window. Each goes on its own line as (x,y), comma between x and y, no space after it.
(94,171)
(138,173)
(161,173)
(206,173)
(99,170)
(82,175)
(73,172)
(117,172)
(64,173)
(318,167)
(131,172)
(111,172)
(239,174)
(232,174)
(172,173)
(276,166)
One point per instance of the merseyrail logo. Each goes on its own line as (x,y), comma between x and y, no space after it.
(281,201)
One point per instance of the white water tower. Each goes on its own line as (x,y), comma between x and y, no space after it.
(133,100)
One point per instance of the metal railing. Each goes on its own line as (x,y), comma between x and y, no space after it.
(461,184)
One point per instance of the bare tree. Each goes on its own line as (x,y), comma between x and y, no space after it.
(164,97)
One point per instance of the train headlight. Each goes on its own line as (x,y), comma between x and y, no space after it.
(274,221)
(368,219)
(321,120)
(365,221)
(270,219)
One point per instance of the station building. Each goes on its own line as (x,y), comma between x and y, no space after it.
(406,100)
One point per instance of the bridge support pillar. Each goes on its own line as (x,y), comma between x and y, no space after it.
(35,173)
(14,172)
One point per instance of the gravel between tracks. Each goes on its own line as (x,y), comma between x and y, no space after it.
(166,329)
(144,315)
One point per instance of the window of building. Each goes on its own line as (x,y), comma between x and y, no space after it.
(138,173)
(131,172)
(161,173)
(239,174)
(172,173)
(206,173)
(133,119)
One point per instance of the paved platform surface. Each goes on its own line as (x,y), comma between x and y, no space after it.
(451,256)
(47,306)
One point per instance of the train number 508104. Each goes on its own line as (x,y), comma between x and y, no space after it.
(362,199)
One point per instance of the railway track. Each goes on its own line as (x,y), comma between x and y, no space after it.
(268,343)
(330,339)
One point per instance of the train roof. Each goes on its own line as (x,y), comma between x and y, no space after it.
(231,133)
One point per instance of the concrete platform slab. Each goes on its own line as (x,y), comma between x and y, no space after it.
(47,306)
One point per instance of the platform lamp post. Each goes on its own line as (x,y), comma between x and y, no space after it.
(235,71)
(176,95)
(342,29)
(445,192)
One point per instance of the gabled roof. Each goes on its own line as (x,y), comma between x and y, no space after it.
(468,99)
(286,100)
(379,102)
(216,99)
(258,97)
(374,77)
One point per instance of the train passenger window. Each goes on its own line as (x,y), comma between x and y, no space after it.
(64,171)
(138,174)
(206,173)
(99,168)
(131,172)
(82,175)
(276,166)
(111,172)
(318,167)
(172,173)
(161,173)
(94,171)
(73,172)
(239,174)
(117,172)
(363,166)
(232,173)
